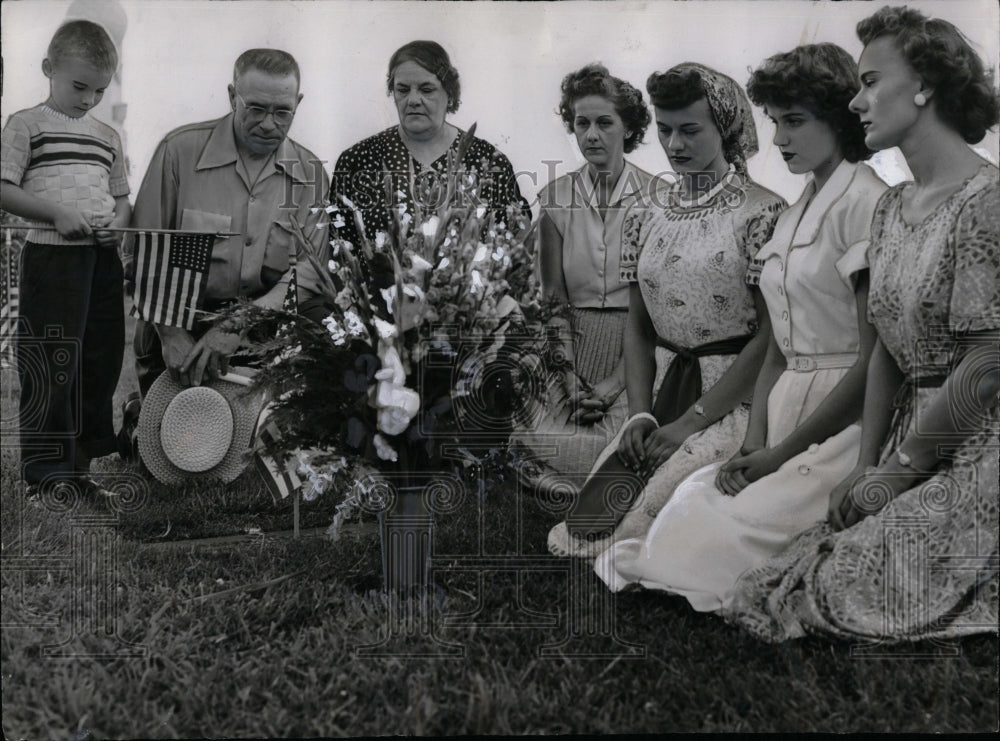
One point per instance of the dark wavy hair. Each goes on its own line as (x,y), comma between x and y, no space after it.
(594,79)
(432,57)
(822,78)
(964,95)
(675,88)
(83,40)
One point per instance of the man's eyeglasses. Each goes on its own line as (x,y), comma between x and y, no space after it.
(282,116)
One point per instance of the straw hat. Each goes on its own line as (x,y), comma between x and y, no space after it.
(198,432)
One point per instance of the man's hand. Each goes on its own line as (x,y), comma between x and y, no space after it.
(70,223)
(176,344)
(210,355)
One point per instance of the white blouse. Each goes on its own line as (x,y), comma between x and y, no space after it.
(808,267)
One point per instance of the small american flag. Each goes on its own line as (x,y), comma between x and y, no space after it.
(281,480)
(171,271)
(9,295)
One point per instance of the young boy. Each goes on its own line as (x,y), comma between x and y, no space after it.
(63,168)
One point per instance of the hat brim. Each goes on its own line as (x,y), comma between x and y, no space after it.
(245,408)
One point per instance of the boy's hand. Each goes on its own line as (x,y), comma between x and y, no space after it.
(104,238)
(71,224)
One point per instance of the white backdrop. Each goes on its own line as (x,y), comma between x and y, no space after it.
(178,54)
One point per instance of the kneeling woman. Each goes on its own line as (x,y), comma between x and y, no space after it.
(912,553)
(802,437)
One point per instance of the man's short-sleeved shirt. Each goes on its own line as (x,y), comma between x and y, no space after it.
(197,181)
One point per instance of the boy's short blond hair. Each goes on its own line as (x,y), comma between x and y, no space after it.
(83,40)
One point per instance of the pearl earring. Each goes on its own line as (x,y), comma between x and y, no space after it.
(920,100)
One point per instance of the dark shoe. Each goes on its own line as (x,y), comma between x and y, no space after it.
(128,440)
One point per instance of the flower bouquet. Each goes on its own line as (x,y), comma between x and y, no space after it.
(434,330)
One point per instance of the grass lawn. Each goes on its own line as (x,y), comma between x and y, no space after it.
(273,637)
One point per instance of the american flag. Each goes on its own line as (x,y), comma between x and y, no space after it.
(171,271)
(281,480)
(9,295)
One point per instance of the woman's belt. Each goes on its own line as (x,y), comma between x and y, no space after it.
(681,386)
(824,361)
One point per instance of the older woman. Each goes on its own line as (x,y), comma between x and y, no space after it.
(685,253)
(425,88)
(802,437)
(911,546)
(580,233)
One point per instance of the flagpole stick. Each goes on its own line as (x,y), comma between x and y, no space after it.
(127,230)
(295,514)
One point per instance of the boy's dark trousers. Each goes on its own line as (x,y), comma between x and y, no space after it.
(70,342)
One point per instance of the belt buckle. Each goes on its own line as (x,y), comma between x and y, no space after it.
(803,364)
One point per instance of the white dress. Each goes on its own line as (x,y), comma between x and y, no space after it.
(703,540)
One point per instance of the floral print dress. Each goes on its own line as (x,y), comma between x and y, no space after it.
(690,260)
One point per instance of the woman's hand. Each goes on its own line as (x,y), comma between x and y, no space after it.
(630,449)
(744,468)
(866,491)
(592,405)
(663,443)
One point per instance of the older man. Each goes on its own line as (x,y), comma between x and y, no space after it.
(238,174)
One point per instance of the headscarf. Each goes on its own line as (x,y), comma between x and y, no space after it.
(731,112)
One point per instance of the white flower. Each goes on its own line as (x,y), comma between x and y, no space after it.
(413,291)
(355,326)
(385,451)
(405,219)
(498,255)
(334,247)
(380,238)
(386,330)
(480,253)
(396,403)
(337,332)
(339,222)
(480,212)
(389,296)
(477,281)
(445,262)
(333,266)
(420,265)
(430,227)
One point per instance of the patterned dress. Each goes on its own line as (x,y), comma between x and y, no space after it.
(925,565)
(690,260)
(361,170)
